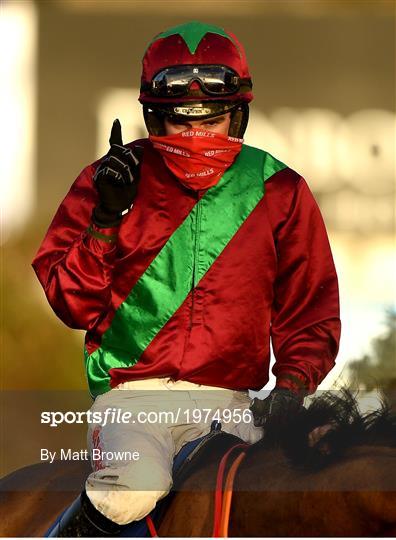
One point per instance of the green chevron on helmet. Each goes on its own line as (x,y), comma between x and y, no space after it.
(192,33)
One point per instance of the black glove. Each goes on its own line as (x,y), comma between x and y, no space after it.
(279,406)
(116,179)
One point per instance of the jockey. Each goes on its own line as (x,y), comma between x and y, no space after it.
(182,255)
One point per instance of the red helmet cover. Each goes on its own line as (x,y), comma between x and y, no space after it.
(221,48)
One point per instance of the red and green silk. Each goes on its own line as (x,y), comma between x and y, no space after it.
(177,270)
(196,286)
(194,43)
(192,34)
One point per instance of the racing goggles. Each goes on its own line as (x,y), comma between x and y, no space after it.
(213,80)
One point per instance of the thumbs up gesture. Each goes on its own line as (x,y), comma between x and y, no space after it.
(116,180)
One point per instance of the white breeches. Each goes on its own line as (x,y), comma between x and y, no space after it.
(133,460)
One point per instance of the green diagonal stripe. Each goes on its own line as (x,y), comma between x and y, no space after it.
(226,208)
(168,280)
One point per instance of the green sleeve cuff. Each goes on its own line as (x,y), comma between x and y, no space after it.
(109,238)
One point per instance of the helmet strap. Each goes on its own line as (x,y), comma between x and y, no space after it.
(239,121)
(154,121)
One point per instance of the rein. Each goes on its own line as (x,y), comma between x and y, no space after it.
(223,500)
(151,526)
(222,506)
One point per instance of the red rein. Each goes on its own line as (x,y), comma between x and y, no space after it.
(221,510)
(222,499)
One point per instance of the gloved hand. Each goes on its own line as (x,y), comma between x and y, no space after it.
(281,404)
(116,179)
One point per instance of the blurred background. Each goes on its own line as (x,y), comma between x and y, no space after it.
(324,86)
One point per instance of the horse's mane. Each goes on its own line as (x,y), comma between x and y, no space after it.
(350,427)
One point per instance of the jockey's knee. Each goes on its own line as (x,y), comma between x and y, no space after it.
(124,494)
(124,506)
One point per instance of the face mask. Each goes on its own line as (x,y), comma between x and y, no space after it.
(198,158)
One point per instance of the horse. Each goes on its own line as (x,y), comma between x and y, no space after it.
(329,471)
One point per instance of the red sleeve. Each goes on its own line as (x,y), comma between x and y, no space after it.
(75,260)
(305,328)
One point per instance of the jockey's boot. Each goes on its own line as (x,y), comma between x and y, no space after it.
(82,519)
